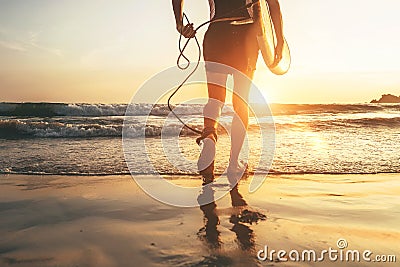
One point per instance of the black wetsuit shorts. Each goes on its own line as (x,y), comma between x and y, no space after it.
(232,45)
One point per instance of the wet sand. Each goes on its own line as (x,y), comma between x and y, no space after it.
(109,221)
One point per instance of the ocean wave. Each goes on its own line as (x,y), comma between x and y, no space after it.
(93,110)
(307,109)
(101,110)
(18,128)
(61,109)
(136,127)
(55,129)
(363,122)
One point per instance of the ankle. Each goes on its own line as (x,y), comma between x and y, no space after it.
(209,133)
(237,166)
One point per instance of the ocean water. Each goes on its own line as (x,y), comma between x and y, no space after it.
(86,139)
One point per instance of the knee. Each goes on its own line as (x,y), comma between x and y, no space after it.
(212,109)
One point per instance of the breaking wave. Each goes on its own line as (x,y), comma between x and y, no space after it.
(100,110)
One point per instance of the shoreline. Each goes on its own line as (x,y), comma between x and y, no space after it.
(194,175)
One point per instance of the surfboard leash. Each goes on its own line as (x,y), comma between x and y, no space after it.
(224,17)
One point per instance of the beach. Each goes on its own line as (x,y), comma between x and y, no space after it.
(55,220)
(68,197)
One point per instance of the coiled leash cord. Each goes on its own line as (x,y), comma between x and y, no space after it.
(187,65)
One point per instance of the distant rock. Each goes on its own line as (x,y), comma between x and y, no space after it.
(387,99)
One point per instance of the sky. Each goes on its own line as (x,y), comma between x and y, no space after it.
(101,51)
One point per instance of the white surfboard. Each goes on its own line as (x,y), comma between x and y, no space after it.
(266,38)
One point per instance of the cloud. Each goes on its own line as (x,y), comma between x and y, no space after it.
(13,45)
(25,44)
(33,41)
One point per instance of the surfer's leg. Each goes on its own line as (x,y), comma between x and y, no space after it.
(237,199)
(241,117)
(212,112)
(216,98)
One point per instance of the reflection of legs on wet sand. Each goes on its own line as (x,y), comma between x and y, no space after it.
(246,215)
(241,218)
(209,233)
(244,234)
